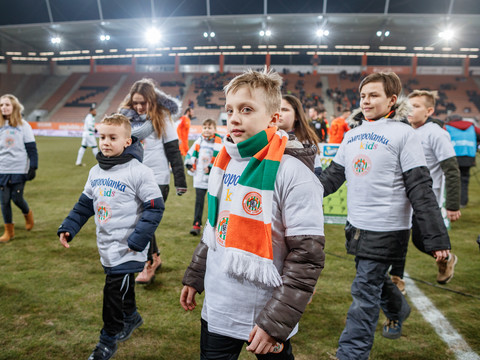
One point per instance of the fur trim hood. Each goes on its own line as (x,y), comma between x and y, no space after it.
(402,109)
(169,102)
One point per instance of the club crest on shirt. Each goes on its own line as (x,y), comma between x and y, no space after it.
(361,165)
(9,142)
(221,229)
(104,212)
(252,203)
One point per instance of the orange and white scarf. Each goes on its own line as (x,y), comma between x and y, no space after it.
(248,241)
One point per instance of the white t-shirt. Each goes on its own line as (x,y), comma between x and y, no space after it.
(118,195)
(232,305)
(200,178)
(13,155)
(154,153)
(374,156)
(437,147)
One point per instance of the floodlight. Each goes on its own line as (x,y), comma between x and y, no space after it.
(261,33)
(152,35)
(379,33)
(55,40)
(447,34)
(387,33)
(268,33)
(205,34)
(104,37)
(212,34)
(321,32)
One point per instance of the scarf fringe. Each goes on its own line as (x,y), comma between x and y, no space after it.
(209,236)
(251,267)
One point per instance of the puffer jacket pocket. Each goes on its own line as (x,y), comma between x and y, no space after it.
(352,238)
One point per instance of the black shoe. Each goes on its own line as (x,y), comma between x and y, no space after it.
(130,325)
(195,230)
(103,352)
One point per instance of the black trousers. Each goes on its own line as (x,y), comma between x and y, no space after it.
(118,301)
(464,180)
(153,249)
(12,192)
(219,347)
(199,203)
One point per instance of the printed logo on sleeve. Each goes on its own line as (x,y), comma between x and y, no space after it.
(361,165)
(104,212)
(252,203)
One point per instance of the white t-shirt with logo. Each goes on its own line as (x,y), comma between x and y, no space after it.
(375,155)
(200,178)
(118,195)
(13,155)
(232,305)
(154,153)
(437,147)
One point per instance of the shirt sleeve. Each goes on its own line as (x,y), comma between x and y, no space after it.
(411,151)
(147,188)
(28,136)
(169,133)
(442,145)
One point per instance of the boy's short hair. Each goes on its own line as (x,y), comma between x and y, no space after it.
(430,96)
(391,82)
(209,122)
(268,80)
(118,120)
(317,109)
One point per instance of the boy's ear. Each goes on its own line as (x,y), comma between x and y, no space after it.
(430,111)
(128,142)
(274,120)
(393,101)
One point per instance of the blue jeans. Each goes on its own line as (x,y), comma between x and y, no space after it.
(12,192)
(220,347)
(372,289)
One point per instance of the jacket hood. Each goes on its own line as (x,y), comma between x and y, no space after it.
(169,102)
(135,150)
(402,109)
(303,152)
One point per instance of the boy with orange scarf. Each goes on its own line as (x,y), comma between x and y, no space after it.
(262,249)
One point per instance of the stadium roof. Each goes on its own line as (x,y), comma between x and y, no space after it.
(28,25)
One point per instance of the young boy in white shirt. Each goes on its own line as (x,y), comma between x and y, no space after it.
(127,204)
(262,247)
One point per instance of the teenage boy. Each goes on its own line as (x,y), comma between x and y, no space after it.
(382,160)
(127,204)
(262,250)
(199,161)
(443,167)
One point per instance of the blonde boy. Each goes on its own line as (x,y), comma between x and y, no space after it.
(127,204)
(262,250)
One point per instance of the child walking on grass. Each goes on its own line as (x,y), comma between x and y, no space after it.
(199,161)
(127,204)
(262,247)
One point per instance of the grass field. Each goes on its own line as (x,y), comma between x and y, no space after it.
(51,297)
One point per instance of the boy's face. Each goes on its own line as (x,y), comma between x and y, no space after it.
(247,113)
(312,113)
(208,130)
(113,139)
(420,111)
(374,102)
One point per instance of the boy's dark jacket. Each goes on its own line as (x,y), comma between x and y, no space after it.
(392,245)
(302,267)
(145,227)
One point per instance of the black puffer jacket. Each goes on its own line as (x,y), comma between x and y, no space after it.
(302,267)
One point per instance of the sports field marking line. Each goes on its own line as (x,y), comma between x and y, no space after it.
(439,323)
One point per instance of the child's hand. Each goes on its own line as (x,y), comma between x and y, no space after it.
(261,342)
(64,239)
(187,298)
